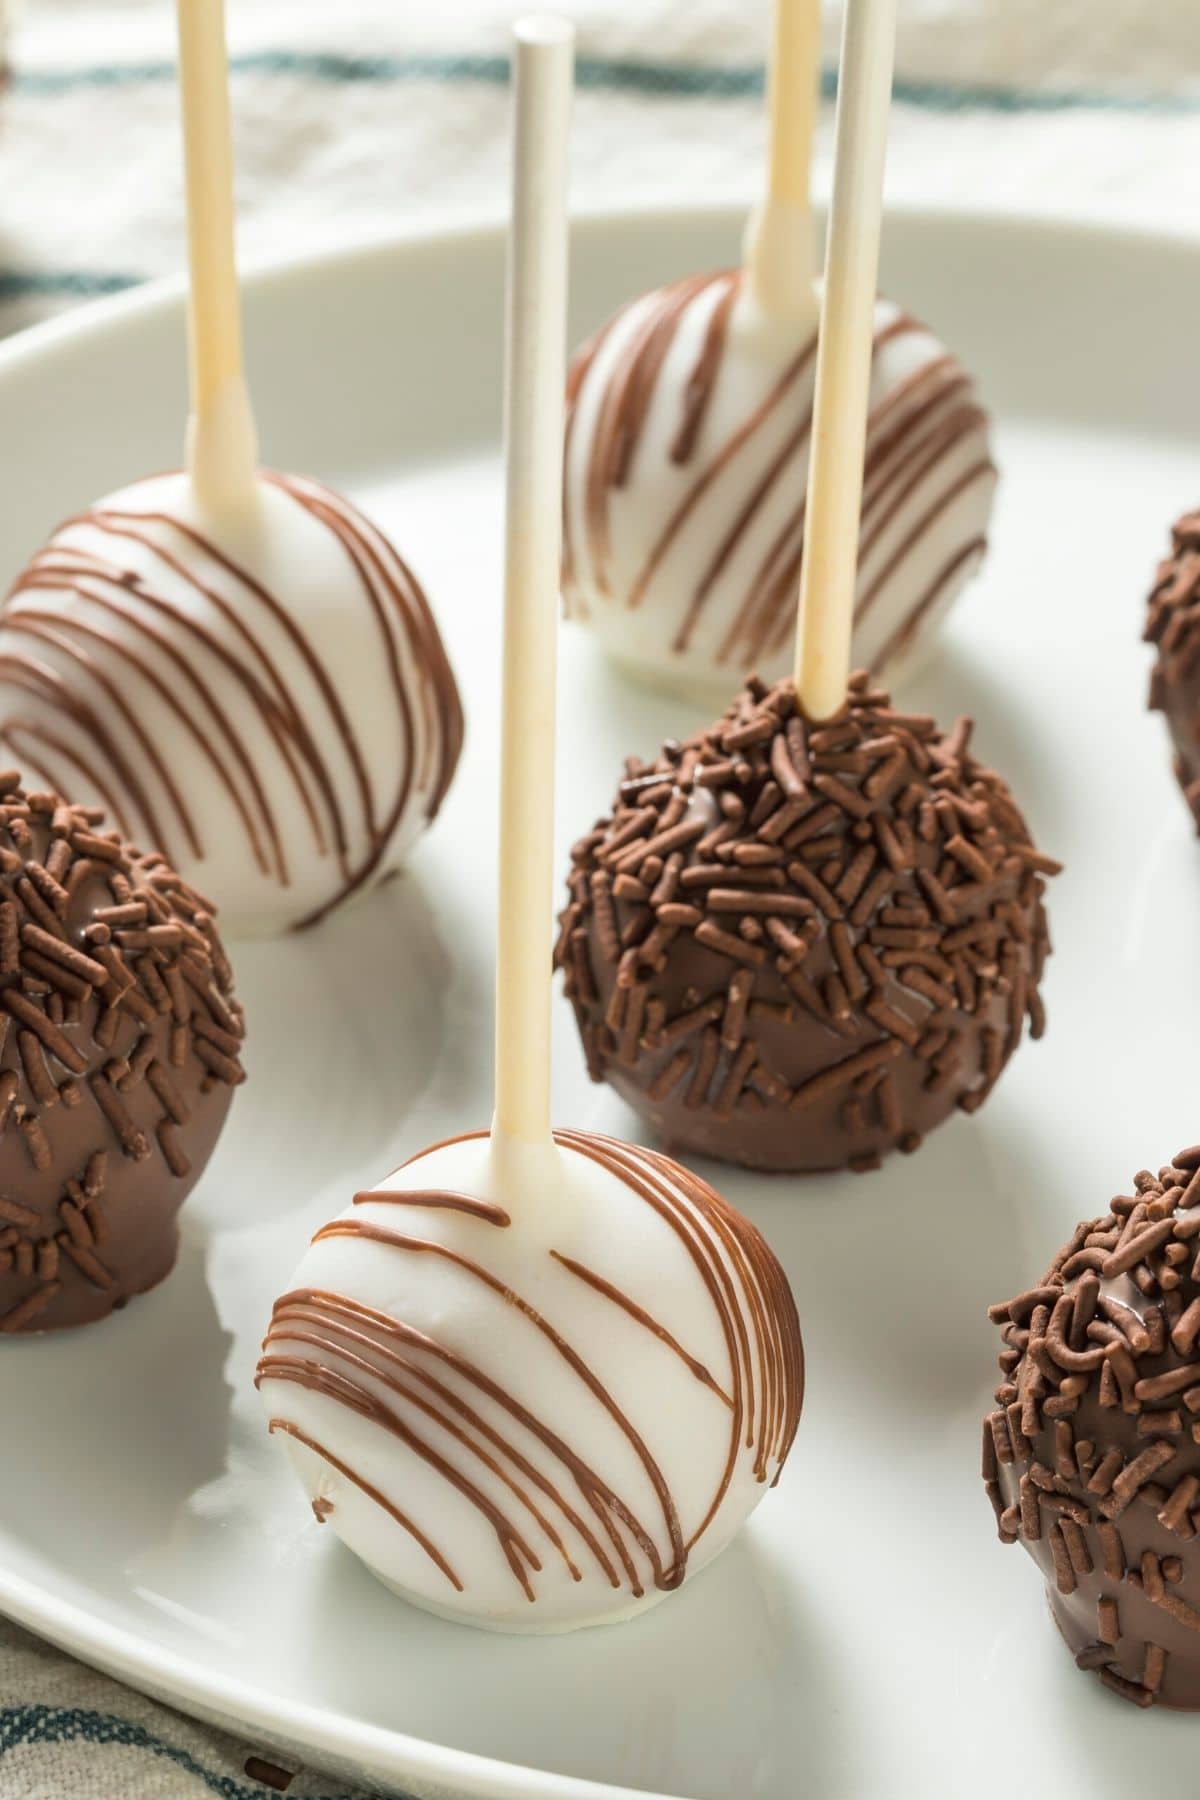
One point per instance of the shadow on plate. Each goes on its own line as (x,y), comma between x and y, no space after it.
(893,1271)
(127,1417)
(345,1027)
(692,1698)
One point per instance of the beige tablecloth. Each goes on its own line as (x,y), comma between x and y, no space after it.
(354,117)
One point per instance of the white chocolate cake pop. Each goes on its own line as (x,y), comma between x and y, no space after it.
(259,692)
(685,471)
(235,664)
(689,426)
(535,1378)
(539,1419)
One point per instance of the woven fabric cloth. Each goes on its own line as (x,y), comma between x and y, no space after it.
(67,1733)
(352,117)
(368,114)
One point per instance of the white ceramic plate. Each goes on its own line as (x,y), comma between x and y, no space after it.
(866,1638)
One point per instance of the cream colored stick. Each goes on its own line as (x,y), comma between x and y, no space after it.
(835,475)
(221,445)
(780,246)
(535,378)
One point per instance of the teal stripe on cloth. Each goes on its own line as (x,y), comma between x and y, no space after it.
(679,80)
(22,1726)
(71,284)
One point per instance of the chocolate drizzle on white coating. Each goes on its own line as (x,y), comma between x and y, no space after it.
(540,1480)
(143,663)
(685,476)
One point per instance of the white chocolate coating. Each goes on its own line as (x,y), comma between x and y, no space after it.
(536,1416)
(260,694)
(685,474)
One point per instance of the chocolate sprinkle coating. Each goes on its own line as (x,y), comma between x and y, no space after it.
(1092,1457)
(119,1046)
(1173,624)
(799,946)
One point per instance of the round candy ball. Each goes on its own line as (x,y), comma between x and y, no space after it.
(120,1051)
(1092,1456)
(799,946)
(538,1409)
(686,466)
(1173,625)
(262,695)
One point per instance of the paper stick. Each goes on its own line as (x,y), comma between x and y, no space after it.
(835,475)
(221,450)
(780,251)
(535,379)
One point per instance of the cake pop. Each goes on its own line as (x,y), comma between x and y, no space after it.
(234,662)
(808,933)
(119,1052)
(538,1409)
(1091,1458)
(799,946)
(1173,625)
(534,1379)
(687,444)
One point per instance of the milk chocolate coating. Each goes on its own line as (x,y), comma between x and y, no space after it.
(1173,624)
(119,1042)
(798,946)
(1091,1459)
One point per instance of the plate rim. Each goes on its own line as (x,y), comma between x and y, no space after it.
(163,293)
(321,1732)
(318,1731)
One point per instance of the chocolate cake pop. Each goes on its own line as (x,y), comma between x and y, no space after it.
(235,663)
(688,433)
(1092,1457)
(543,1417)
(119,1046)
(807,934)
(259,691)
(1173,625)
(799,946)
(536,1378)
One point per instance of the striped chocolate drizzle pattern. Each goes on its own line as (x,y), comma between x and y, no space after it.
(366,1360)
(918,425)
(133,633)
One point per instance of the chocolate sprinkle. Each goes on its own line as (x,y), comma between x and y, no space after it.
(1173,626)
(793,1016)
(99,1146)
(1102,1482)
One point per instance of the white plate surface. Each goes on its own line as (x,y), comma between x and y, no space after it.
(866,1638)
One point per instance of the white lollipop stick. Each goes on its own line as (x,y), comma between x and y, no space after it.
(535,380)
(835,474)
(222,449)
(780,242)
